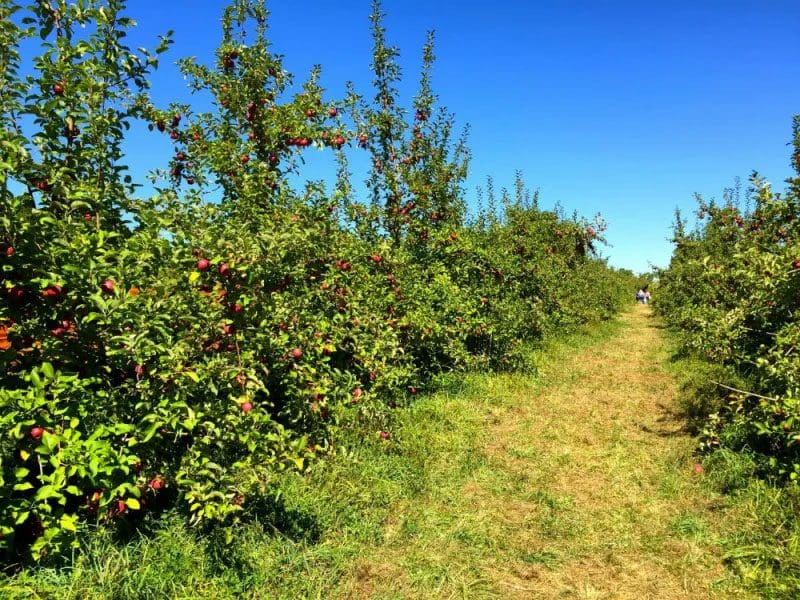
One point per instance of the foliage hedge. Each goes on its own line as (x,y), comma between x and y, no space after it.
(190,348)
(733,291)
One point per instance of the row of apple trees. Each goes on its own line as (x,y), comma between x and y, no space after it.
(733,291)
(191,347)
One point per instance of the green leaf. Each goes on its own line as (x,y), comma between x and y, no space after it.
(47,369)
(67,522)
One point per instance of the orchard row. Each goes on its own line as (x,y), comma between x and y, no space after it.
(179,351)
(733,290)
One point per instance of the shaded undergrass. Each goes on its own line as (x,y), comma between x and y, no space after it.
(312,540)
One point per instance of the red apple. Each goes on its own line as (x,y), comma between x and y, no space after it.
(107,286)
(157,483)
(237,308)
(52,291)
(297,354)
(332,112)
(376,258)
(247,407)
(10,251)
(203,264)
(224,269)
(37,432)
(58,89)
(385,435)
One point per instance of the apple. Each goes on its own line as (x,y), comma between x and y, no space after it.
(58,89)
(297,354)
(229,329)
(9,251)
(247,407)
(37,432)
(161,126)
(156,483)
(376,258)
(332,112)
(237,308)
(203,264)
(176,119)
(244,159)
(180,156)
(357,393)
(107,286)
(121,506)
(174,135)
(384,435)
(224,269)
(52,291)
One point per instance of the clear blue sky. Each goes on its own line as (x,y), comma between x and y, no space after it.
(621,107)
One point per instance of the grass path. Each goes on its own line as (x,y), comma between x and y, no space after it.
(583,487)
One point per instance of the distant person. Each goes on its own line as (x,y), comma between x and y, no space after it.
(647,296)
(640,295)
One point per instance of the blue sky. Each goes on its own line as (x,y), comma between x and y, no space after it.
(619,107)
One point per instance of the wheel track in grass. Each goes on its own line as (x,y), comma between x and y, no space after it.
(584,488)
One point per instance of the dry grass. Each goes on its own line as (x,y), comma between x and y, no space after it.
(585,491)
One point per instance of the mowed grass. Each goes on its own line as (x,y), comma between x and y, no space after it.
(573,482)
